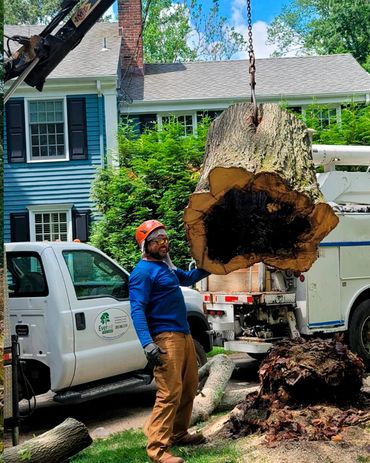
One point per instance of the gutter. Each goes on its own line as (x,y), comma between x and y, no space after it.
(101,123)
(137,106)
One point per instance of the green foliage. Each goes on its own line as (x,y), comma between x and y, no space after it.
(184,31)
(157,174)
(165,34)
(323,27)
(353,128)
(30,11)
(33,11)
(212,38)
(24,454)
(129,446)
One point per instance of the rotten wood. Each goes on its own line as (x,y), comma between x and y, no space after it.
(56,445)
(310,390)
(257,198)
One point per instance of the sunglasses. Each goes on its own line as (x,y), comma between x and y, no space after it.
(160,241)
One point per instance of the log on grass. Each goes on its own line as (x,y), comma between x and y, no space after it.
(56,445)
(257,199)
(218,372)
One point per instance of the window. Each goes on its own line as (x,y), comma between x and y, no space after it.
(50,223)
(95,276)
(186,120)
(295,109)
(51,226)
(320,117)
(46,129)
(25,275)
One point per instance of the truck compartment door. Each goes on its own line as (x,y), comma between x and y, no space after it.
(323,291)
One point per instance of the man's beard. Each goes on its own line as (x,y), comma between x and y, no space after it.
(155,255)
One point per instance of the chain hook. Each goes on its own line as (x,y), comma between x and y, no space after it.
(252,63)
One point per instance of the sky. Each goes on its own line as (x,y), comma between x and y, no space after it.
(263,12)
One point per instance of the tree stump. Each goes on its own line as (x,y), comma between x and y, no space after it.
(56,445)
(257,199)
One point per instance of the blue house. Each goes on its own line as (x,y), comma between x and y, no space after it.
(55,140)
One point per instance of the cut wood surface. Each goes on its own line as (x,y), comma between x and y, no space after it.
(54,446)
(257,199)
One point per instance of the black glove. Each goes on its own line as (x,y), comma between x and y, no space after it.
(153,354)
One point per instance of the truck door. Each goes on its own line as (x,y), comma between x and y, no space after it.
(323,291)
(105,338)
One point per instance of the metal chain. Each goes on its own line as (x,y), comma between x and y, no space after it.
(252,60)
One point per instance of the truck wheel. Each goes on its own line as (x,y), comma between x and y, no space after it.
(201,355)
(359,332)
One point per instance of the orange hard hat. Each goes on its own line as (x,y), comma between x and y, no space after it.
(145,229)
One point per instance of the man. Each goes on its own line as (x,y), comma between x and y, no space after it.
(158,311)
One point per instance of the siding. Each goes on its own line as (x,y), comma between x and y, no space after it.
(59,182)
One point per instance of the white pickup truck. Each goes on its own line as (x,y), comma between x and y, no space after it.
(69,306)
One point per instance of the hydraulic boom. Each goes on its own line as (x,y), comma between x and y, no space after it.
(40,54)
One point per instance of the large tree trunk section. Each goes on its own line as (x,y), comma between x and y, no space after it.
(217,372)
(54,446)
(257,198)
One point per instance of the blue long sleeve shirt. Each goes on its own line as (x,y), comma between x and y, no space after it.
(157,302)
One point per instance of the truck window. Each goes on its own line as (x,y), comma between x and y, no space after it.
(25,275)
(95,276)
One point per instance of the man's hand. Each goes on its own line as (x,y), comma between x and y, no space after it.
(153,354)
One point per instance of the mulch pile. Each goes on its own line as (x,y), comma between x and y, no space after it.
(310,390)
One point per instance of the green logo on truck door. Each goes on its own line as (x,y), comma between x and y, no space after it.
(112,323)
(104,318)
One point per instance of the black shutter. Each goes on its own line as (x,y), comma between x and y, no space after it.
(19,226)
(81,222)
(77,128)
(15,129)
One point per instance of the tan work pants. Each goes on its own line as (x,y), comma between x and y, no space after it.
(177,382)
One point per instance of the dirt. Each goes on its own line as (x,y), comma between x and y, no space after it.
(352,445)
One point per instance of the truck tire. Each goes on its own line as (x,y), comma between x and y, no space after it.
(201,355)
(359,332)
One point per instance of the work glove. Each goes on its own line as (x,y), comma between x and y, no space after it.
(153,354)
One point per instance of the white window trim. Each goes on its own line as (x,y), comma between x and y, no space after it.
(337,108)
(50,208)
(193,114)
(27,123)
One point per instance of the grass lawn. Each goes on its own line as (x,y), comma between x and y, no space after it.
(129,447)
(219,350)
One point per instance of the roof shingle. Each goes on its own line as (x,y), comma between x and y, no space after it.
(275,77)
(88,59)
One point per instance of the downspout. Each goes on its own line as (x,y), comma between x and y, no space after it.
(101,123)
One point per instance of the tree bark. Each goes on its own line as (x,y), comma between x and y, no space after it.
(257,198)
(56,445)
(218,371)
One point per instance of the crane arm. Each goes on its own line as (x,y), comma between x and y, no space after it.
(40,54)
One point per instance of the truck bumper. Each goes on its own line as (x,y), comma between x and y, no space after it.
(249,347)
